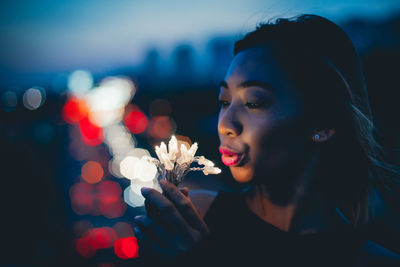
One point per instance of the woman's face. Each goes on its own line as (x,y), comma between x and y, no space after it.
(259,122)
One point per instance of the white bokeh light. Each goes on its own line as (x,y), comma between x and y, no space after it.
(144,171)
(134,168)
(33,98)
(133,199)
(127,166)
(107,102)
(80,82)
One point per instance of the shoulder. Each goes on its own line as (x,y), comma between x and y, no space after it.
(202,200)
(373,254)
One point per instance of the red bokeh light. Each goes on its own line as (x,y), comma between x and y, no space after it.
(126,248)
(109,198)
(113,209)
(74,110)
(108,188)
(160,127)
(81,198)
(92,172)
(136,121)
(91,134)
(100,238)
(84,248)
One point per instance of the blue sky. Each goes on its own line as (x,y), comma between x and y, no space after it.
(52,36)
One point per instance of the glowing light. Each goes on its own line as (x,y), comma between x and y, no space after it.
(74,110)
(119,140)
(9,101)
(136,122)
(114,167)
(108,188)
(34,98)
(134,168)
(139,153)
(160,127)
(81,198)
(84,248)
(127,166)
(126,248)
(107,102)
(80,81)
(92,172)
(133,199)
(113,209)
(92,135)
(101,238)
(123,229)
(174,164)
(136,185)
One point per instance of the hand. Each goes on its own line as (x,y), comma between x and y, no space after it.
(172,225)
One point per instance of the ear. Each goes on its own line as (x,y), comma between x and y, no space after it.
(322,136)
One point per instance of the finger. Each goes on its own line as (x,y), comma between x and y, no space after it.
(184,205)
(166,211)
(185,191)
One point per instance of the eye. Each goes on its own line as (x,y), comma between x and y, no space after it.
(253,105)
(223,103)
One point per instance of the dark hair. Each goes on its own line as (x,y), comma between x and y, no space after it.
(325,67)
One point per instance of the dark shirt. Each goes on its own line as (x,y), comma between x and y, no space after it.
(238,237)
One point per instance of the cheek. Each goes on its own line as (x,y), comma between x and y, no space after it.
(273,145)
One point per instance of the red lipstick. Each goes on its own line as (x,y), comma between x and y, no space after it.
(230,158)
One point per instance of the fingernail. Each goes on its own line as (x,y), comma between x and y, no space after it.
(145,190)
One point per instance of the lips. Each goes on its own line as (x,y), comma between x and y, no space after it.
(229,157)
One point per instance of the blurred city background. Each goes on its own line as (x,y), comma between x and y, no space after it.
(88,87)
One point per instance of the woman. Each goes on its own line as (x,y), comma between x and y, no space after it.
(296,129)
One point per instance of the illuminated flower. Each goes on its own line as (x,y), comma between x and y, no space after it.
(174,163)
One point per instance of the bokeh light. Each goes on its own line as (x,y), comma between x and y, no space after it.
(123,229)
(107,102)
(74,110)
(92,135)
(127,166)
(101,238)
(92,172)
(134,168)
(81,198)
(136,122)
(119,141)
(127,248)
(34,98)
(9,101)
(84,248)
(160,127)
(133,199)
(113,209)
(80,81)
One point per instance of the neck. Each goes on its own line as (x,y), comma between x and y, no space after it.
(286,217)
(279,216)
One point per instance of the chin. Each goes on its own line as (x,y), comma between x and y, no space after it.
(242,175)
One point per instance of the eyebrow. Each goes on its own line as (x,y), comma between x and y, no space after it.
(247,84)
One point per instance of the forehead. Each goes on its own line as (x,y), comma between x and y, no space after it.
(258,63)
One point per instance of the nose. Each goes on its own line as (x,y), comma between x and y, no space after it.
(229,123)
